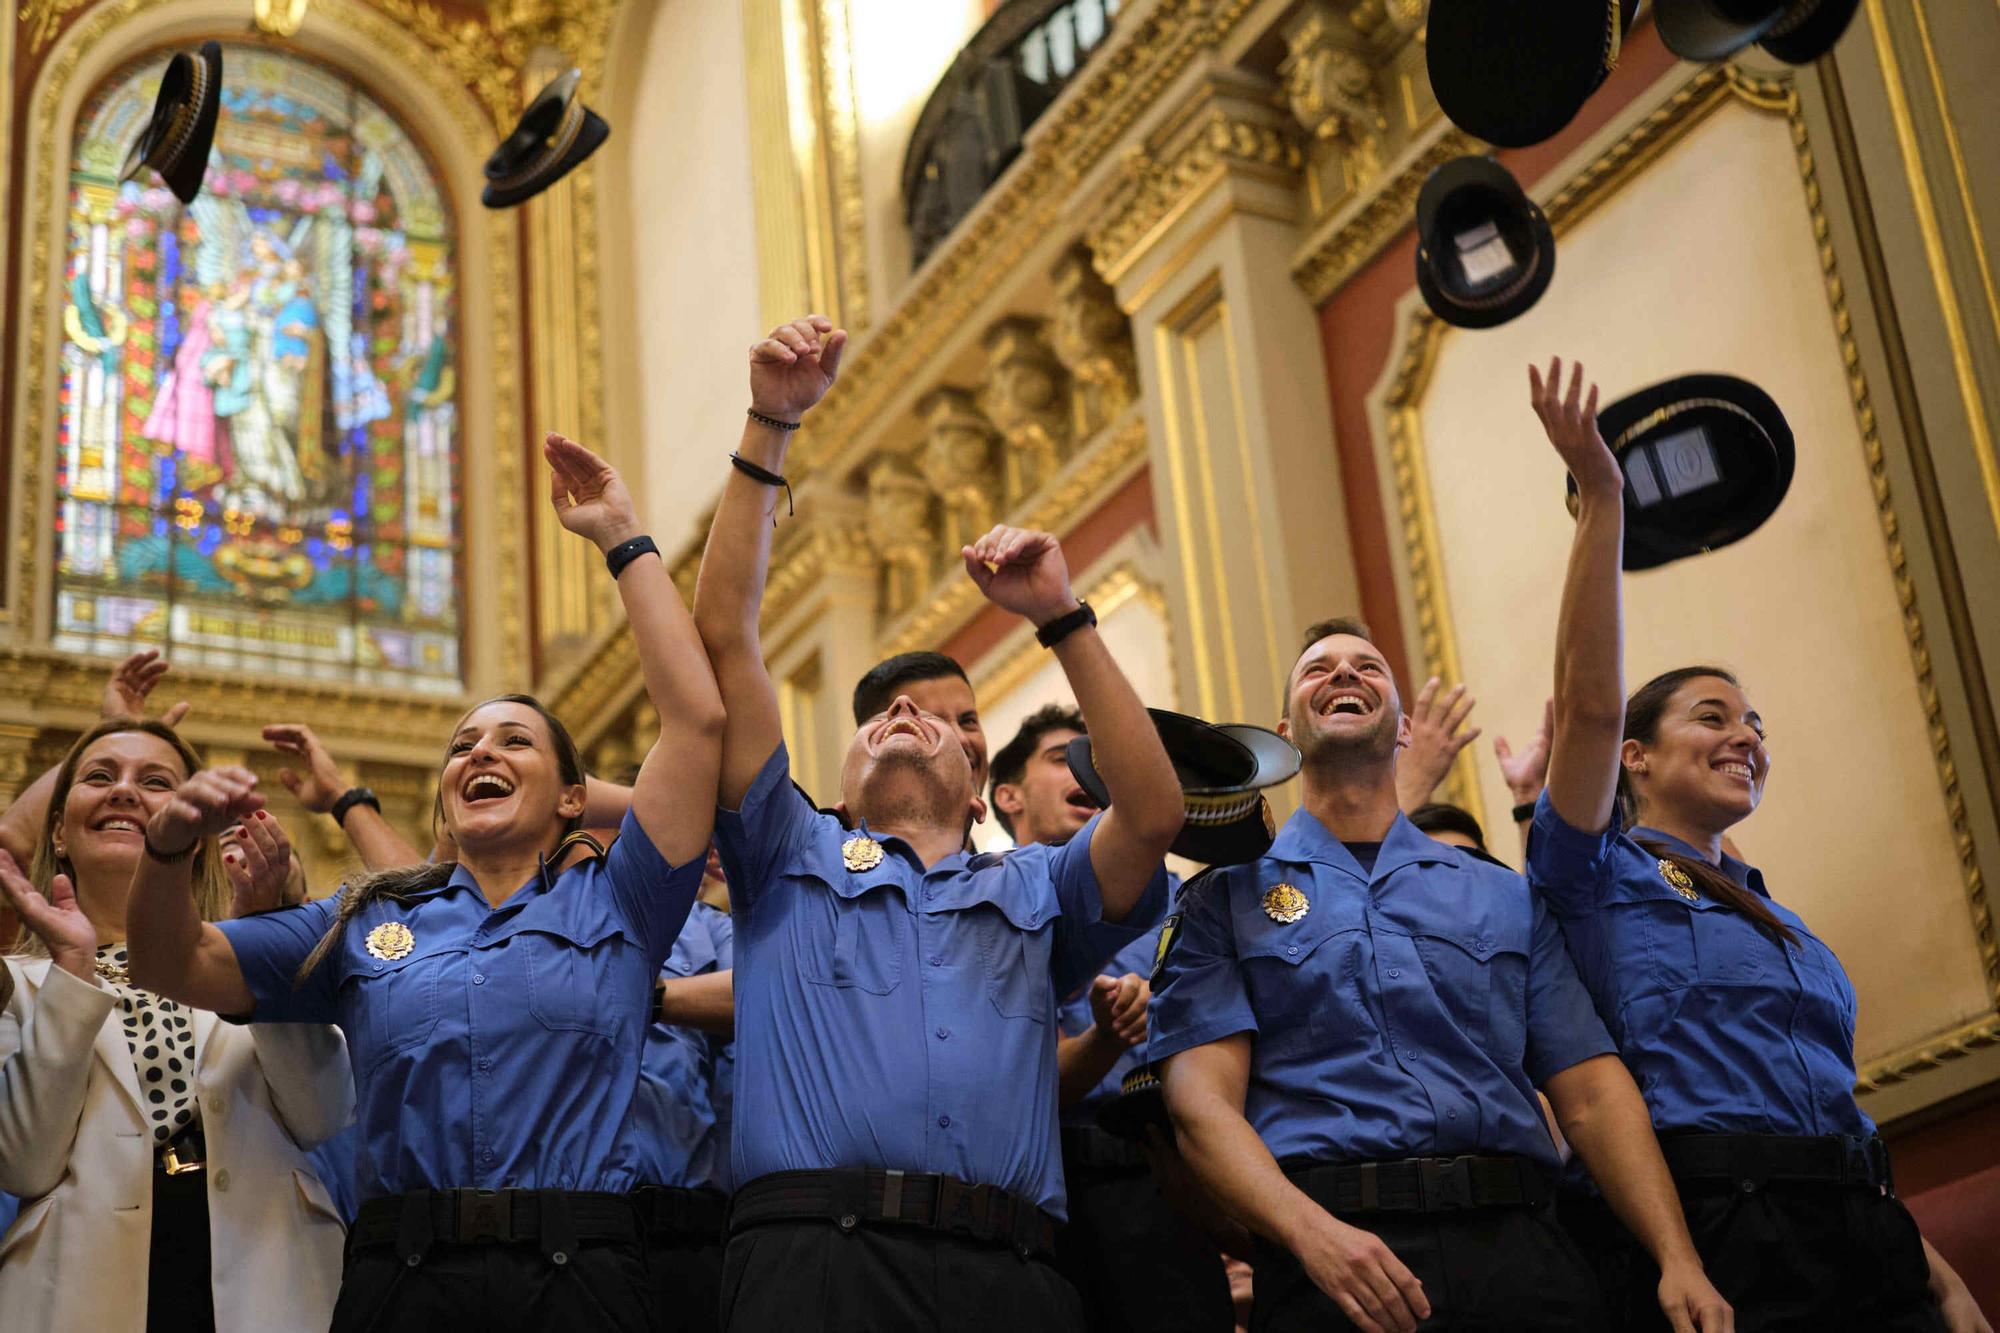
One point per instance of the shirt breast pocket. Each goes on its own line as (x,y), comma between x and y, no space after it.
(1728,949)
(396,1005)
(856,942)
(574,976)
(1017,964)
(1480,976)
(1303,986)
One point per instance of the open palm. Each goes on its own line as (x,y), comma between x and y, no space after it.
(590,498)
(53,918)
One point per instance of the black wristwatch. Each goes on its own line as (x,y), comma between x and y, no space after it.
(350,798)
(1063,626)
(1525,810)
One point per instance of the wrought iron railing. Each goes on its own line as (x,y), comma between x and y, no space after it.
(972,127)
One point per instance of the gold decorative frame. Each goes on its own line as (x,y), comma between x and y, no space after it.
(379,723)
(1685,108)
(998,676)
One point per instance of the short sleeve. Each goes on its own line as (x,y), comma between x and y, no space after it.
(1563,1026)
(756,840)
(1085,941)
(1567,866)
(653,896)
(1198,990)
(270,947)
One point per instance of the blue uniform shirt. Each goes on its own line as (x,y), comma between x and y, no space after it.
(900,1017)
(1075,1019)
(680,1121)
(1723,1029)
(1409,1012)
(503,1050)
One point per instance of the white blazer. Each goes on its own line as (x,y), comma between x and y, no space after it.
(76,1149)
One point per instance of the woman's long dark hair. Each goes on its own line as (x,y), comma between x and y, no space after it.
(1643,712)
(399,883)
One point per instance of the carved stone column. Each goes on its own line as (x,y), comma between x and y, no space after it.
(1197,241)
(958,464)
(899,523)
(1094,341)
(1027,399)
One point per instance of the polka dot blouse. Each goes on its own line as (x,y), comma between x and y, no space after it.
(161,1039)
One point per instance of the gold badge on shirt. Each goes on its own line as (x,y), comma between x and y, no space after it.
(1284,904)
(391,940)
(1678,879)
(860,853)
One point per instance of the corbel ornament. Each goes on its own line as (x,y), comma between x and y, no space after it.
(1026,397)
(1093,339)
(899,523)
(957,461)
(1357,232)
(1708,89)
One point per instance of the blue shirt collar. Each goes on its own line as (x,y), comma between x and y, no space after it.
(1305,840)
(950,865)
(1745,874)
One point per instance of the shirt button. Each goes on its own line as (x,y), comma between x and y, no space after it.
(1395,971)
(1451,1115)
(944,1122)
(943,1033)
(478,979)
(484,1063)
(222,1181)
(937,962)
(1292,948)
(489,1154)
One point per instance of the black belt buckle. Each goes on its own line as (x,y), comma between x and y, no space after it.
(1444,1184)
(963,1207)
(481,1215)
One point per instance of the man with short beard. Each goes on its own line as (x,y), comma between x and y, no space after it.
(1350,1032)
(1139,1264)
(895,1142)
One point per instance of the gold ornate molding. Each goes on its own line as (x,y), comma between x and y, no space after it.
(1354,235)
(1684,109)
(995,680)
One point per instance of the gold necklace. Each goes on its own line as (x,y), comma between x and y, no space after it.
(114,972)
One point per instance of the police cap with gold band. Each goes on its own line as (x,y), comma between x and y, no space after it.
(1223,771)
(1485,252)
(1515,72)
(1795,31)
(1707,458)
(181,130)
(552,138)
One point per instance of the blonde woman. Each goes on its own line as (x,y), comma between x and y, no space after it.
(157,1151)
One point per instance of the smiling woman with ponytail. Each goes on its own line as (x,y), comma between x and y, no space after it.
(496,1005)
(1737,1022)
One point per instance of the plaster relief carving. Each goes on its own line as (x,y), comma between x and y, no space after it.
(1093,338)
(958,464)
(899,522)
(1027,399)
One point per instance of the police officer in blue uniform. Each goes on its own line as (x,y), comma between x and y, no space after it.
(1137,1262)
(1350,1031)
(495,1008)
(895,1153)
(1736,1020)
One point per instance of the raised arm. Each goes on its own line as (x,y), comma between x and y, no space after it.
(671,796)
(1024,572)
(322,784)
(125,695)
(1205,1089)
(789,372)
(1590,629)
(174,952)
(1436,737)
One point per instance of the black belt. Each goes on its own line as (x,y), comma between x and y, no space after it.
(847,1198)
(184,1153)
(1421,1184)
(667,1213)
(1748,1162)
(415,1221)
(1086,1147)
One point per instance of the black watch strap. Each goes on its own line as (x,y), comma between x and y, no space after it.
(350,798)
(1525,810)
(624,553)
(1063,626)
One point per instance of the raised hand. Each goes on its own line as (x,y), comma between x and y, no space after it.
(125,694)
(203,806)
(55,919)
(589,496)
(1363,1276)
(1571,422)
(1022,571)
(792,369)
(1435,740)
(1528,772)
(322,783)
(257,862)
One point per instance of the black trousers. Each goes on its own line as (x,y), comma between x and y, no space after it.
(493,1287)
(1487,1269)
(1139,1265)
(686,1277)
(813,1277)
(1788,1257)
(180,1278)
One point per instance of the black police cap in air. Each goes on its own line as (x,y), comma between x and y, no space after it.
(181,130)
(552,138)
(1515,72)
(1485,251)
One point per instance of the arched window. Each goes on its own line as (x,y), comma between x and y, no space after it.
(258,460)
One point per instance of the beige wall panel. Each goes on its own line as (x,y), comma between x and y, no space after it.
(1707,262)
(681,306)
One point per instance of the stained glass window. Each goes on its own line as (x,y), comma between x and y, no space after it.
(258,462)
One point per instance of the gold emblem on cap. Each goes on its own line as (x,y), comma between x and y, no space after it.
(1284,904)
(861,853)
(391,940)
(1678,879)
